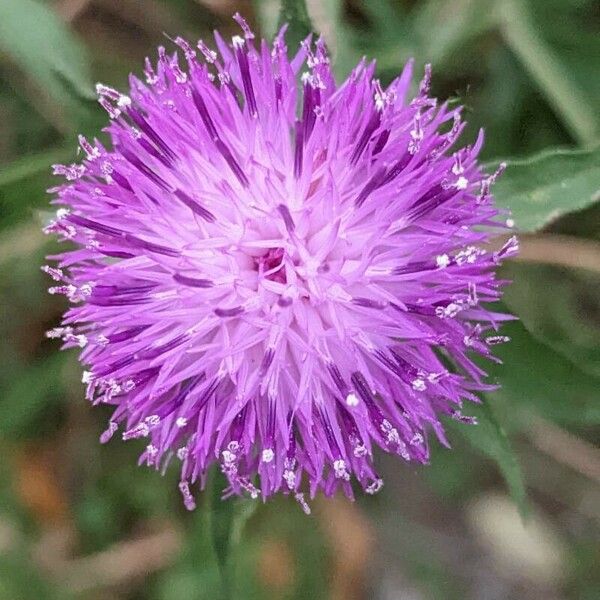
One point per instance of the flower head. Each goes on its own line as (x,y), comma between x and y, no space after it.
(273,272)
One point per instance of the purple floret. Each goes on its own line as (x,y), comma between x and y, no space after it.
(272,272)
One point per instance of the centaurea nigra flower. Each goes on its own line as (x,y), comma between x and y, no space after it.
(275,289)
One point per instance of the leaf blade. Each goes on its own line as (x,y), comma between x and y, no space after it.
(295,14)
(533,376)
(540,189)
(564,320)
(551,76)
(28,166)
(36,39)
(489,437)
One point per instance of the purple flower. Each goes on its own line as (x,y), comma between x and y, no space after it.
(273,272)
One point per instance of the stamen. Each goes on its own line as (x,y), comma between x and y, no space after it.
(267,455)
(56,274)
(154,352)
(300,499)
(188,499)
(151,78)
(397,169)
(442,261)
(233,164)
(352,399)
(91,152)
(340,470)
(381,142)
(425,84)
(209,55)
(188,51)
(374,487)
(510,248)
(244,25)
(416,135)
(458,416)
(70,173)
(311,99)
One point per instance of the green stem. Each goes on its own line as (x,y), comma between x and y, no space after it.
(225,519)
(295,14)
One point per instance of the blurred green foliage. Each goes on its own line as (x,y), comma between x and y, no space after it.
(527,70)
(543,188)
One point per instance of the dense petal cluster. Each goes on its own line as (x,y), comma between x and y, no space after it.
(276,273)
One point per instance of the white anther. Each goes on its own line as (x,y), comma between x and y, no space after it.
(418,385)
(442,261)
(352,399)
(461,183)
(267,455)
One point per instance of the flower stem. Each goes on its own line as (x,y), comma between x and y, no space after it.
(225,521)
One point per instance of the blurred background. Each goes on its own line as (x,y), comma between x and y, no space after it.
(81,521)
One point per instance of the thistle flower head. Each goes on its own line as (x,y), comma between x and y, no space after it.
(273,272)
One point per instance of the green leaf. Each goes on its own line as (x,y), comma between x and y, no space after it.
(28,166)
(24,194)
(545,67)
(540,189)
(566,27)
(267,15)
(338,35)
(295,14)
(533,376)
(36,39)
(567,319)
(432,31)
(454,23)
(489,437)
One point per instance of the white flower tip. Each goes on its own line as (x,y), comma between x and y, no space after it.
(462,183)
(442,261)
(352,399)
(267,455)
